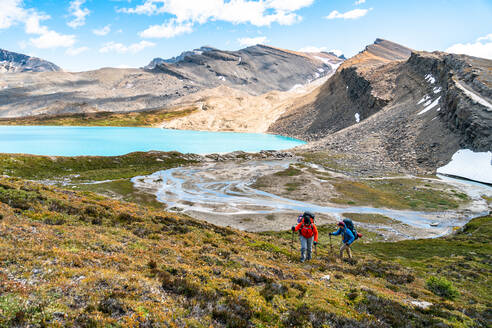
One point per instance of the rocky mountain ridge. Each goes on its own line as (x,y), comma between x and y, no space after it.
(408,109)
(12,62)
(254,70)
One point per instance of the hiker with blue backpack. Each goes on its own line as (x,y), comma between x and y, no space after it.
(349,235)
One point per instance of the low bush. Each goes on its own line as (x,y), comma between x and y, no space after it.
(236,312)
(17,198)
(442,287)
(271,289)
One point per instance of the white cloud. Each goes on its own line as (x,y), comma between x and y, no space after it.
(352,14)
(289,5)
(488,37)
(76,51)
(186,13)
(122,49)
(482,47)
(52,39)
(337,52)
(13,12)
(124,66)
(32,23)
(359,2)
(78,13)
(312,49)
(246,42)
(102,31)
(167,30)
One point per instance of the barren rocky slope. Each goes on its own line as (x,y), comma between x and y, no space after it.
(414,113)
(13,62)
(228,109)
(254,70)
(361,85)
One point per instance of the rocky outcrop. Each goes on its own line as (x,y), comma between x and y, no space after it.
(466,103)
(176,59)
(12,62)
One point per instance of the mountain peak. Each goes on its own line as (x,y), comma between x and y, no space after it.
(15,62)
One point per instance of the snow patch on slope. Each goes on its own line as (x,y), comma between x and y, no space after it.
(429,78)
(327,62)
(429,106)
(424,98)
(468,164)
(357,117)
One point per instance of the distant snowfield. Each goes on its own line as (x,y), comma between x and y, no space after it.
(468,164)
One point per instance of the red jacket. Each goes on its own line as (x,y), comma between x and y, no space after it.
(308,231)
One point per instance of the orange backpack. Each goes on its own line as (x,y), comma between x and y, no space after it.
(307,231)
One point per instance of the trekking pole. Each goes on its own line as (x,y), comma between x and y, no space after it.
(292,244)
(331,246)
(316,250)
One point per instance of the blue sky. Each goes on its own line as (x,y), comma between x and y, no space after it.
(89,34)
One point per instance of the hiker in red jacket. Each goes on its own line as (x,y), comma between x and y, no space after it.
(308,231)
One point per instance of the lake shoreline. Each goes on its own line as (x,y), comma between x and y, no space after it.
(117,141)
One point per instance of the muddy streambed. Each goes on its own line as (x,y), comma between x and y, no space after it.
(222,193)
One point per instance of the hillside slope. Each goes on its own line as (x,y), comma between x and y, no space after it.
(82,260)
(12,62)
(411,114)
(362,85)
(254,70)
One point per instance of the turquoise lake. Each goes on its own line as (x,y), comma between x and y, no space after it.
(112,141)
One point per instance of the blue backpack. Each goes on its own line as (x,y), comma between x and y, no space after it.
(350,225)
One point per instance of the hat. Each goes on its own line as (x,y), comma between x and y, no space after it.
(308,214)
(341,223)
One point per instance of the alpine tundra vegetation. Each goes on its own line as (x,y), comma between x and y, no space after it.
(145,182)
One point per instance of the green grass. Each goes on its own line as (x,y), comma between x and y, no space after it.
(83,168)
(464,258)
(292,186)
(402,193)
(327,160)
(78,259)
(122,189)
(369,218)
(130,119)
(289,172)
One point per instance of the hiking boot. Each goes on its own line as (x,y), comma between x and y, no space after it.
(303,259)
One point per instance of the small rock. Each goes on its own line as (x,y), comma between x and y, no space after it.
(112,306)
(58,315)
(37,271)
(327,277)
(421,304)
